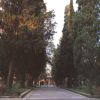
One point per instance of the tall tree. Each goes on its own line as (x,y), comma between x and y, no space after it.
(26,29)
(65,67)
(86,26)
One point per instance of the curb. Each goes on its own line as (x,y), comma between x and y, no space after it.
(9,96)
(25,93)
(20,96)
(81,93)
(84,94)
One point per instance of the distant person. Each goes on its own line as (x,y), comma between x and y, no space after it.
(47,83)
(54,84)
(40,84)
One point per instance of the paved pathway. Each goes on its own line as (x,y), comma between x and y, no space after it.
(11,99)
(51,93)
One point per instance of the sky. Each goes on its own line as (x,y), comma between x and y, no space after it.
(59,7)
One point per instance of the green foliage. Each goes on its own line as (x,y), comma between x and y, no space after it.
(63,58)
(56,71)
(28,28)
(86,26)
(78,53)
(85,57)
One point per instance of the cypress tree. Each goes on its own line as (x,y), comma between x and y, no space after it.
(64,64)
(86,26)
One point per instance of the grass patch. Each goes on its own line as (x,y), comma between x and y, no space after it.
(16,90)
(85,89)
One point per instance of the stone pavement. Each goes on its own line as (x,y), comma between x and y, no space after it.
(51,93)
(11,99)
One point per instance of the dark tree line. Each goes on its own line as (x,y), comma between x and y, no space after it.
(26,30)
(64,54)
(77,56)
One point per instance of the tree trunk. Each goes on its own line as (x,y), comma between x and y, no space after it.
(70,82)
(30,81)
(10,74)
(22,80)
(91,88)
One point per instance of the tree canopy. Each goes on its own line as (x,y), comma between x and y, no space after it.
(27,30)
